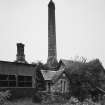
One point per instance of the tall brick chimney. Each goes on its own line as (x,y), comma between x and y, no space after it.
(52,53)
(20,57)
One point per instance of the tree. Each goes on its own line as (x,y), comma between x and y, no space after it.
(85,79)
(80,59)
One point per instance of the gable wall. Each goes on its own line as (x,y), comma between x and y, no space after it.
(62,85)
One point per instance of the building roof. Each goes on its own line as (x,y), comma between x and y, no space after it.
(77,65)
(51,75)
(72,66)
(14,68)
(16,63)
(47,74)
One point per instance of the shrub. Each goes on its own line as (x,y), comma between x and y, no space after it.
(75,101)
(49,98)
(4,95)
(37,98)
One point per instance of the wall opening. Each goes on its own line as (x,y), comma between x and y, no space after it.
(15,81)
(7,80)
(24,81)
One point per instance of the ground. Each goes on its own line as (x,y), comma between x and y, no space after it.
(72,101)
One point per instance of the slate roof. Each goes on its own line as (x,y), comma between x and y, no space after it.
(51,75)
(72,66)
(47,75)
(76,66)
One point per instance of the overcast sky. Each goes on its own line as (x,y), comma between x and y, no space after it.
(80,29)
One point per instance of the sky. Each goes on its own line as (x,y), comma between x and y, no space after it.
(80,29)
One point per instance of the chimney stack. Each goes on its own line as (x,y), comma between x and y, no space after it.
(52,52)
(20,57)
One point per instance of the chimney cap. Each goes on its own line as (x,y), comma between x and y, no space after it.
(20,44)
(51,4)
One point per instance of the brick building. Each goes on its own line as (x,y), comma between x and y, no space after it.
(18,76)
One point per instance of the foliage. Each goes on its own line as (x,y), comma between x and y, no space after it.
(51,98)
(26,101)
(75,101)
(4,95)
(37,98)
(85,78)
(80,59)
(71,101)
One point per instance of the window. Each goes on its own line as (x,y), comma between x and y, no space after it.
(7,80)
(61,85)
(24,81)
(11,81)
(64,86)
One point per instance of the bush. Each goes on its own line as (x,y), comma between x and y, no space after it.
(75,101)
(4,95)
(37,98)
(49,98)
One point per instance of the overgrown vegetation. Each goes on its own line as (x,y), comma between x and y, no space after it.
(48,99)
(87,79)
(4,96)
